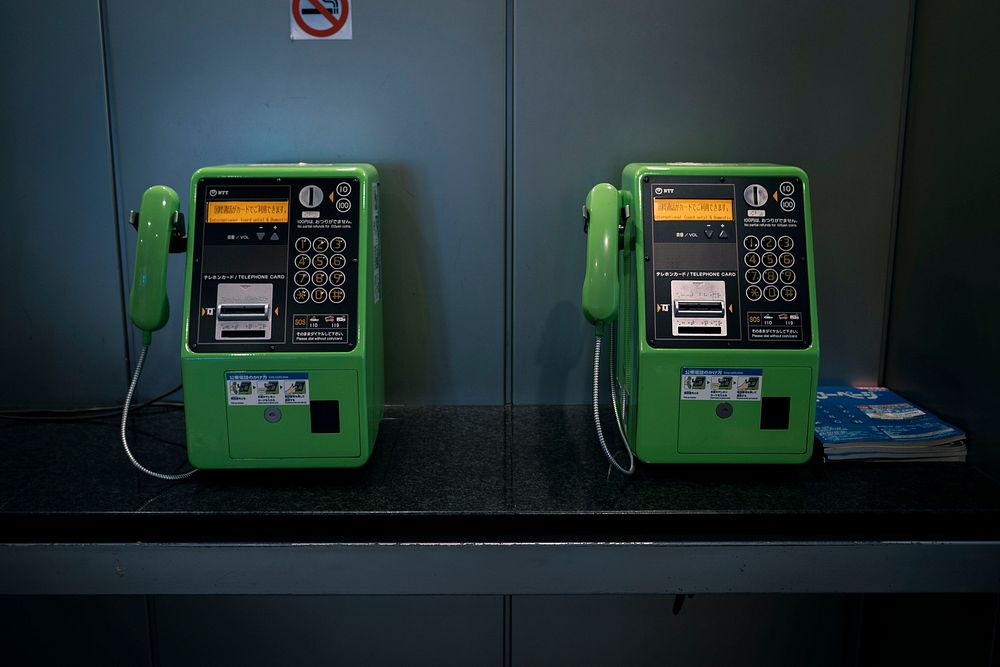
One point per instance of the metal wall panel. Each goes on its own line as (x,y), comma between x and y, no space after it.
(61,313)
(942,350)
(419,93)
(813,84)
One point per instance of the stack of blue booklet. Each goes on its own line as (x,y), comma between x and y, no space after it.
(875,423)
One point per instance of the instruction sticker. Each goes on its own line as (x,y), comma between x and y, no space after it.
(721,384)
(267,388)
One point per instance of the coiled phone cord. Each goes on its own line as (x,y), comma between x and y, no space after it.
(128,402)
(597,411)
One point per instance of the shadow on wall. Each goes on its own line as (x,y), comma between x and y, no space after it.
(416,344)
(558,355)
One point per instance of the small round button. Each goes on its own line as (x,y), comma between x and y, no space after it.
(787,204)
(272,414)
(343,205)
(770,276)
(787,259)
(786,243)
(320,244)
(753,292)
(338,261)
(787,276)
(337,295)
(320,261)
(302,244)
(319,278)
(768,243)
(788,293)
(302,261)
(752,276)
(769,259)
(337,277)
(301,278)
(343,188)
(319,295)
(300,295)
(771,293)
(751,242)
(338,244)
(752,259)
(786,188)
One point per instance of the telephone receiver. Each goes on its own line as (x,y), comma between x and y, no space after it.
(603,224)
(161,231)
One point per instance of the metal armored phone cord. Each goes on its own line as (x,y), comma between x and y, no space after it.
(128,402)
(597,412)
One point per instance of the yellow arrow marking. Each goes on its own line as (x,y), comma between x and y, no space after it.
(775,195)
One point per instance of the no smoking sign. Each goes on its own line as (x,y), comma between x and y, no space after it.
(321,19)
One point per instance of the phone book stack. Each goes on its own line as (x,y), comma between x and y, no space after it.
(877,424)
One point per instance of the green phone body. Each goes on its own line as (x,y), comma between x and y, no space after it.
(717,350)
(281,351)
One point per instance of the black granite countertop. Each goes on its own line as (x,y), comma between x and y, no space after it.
(462,474)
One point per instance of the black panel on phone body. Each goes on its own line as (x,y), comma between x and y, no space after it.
(714,187)
(247,255)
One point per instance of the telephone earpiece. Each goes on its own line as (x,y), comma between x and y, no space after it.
(157,223)
(600,283)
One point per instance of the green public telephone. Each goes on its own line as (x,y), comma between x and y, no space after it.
(281,351)
(706,273)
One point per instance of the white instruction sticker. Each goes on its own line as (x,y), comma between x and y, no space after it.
(721,384)
(267,388)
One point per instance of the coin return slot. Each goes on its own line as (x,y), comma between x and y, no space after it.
(243,311)
(699,309)
(699,331)
(243,333)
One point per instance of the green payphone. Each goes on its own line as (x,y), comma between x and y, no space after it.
(706,273)
(281,351)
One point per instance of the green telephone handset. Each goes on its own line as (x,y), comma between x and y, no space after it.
(601,293)
(156,222)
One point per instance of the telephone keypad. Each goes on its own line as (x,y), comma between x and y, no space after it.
(752,276)
(338,261)
(768,243)
(301,278)
(787,276)
(302,261)
(338,244)
(770,276)
(769,259)
(751,243)
(787,259)
(300,295)
(786,243)
(320,261)
(302,244)
(337,295)
(319,278)
(752,259)
(319,295)
(337,278)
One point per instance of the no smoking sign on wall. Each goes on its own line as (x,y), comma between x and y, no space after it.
(321,19)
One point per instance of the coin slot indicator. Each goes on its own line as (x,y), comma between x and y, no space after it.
(310,196)
(786,188)
(343,205)
(343,189)
(787,204)
(755,195)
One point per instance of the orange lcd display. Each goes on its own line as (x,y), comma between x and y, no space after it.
(692,209)
(247,211)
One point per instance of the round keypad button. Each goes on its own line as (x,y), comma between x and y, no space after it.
(768,243)
(787,259)
(337,277)
(770,276)
(752,259)
(300,295)
(786,243)
(319,295)
(788,293)
(337,295)
(320,262)
(338,261)
(771,293)
(769,259)
(301,278)
(319,278)
(751,242)
(302,244)
(753,292)
(302,261)
(320,244)
(338,244)
(752,276)
(787,276)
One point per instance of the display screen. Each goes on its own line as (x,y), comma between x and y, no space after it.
(692,209)
(247,211)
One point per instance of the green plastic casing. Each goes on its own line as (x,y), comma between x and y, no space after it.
(224,436)
(660,426)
